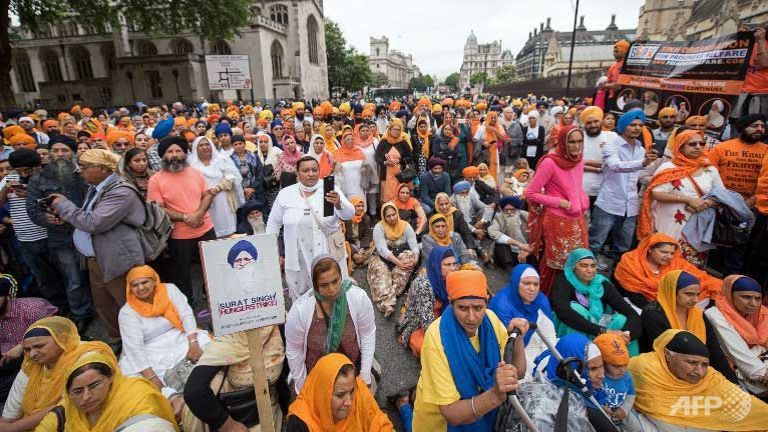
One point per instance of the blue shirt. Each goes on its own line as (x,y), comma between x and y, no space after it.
(617,390)
(622,164)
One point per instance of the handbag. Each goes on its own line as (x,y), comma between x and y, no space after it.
(240,404)
(407,174)
(729,230)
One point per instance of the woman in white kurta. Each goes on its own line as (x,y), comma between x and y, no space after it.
(159,332)
(350,164)
(220,173)
(298,209)
(367,142)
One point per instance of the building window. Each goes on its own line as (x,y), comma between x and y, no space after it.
(221,47)
(61,98)
(155,84)
(147,48)
(279,14)
(51,65)
(312,39)
(181,46)
(24,73)
(81,59)
(255,11)
(108,53)
(277,59)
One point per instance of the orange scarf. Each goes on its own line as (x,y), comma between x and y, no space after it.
(313,405)
(346,154)
(355,200)
(330,139)
(492,137)
(684,167)
(667,299)
(412,202)
(753,328)
(634,275)
(161,305)
(359,142)
(445,241)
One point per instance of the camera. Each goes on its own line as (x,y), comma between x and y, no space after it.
(44,203)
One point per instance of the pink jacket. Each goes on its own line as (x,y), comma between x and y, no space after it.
(558,184)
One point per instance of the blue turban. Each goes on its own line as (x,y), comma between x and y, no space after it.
(275,123)
(511,199)
(745,283)
(223,128)
(628,118)
(461,186)
(162,129)
(685,280)
(241,246)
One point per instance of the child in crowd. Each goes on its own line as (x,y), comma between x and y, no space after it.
(618,387)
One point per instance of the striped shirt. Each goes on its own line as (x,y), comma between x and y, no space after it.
(19,315)
(25,229)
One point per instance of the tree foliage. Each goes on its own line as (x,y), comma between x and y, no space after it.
(505,74)
(421,82)
(452,81)
(478,78)
(379,79)
(348,70)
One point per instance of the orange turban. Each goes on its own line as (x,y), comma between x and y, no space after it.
(425,102)
(470,171)
(179,121)
(622,45)
(318,111)
(394,106)
(466,283)
(668,111)
(481,106)
(12,130)
(212,118)
(327,107)
(189,135)
(696,121)
(613,349)
(118,134)
(49,124)
(593,111)
(23,140)
(75,110)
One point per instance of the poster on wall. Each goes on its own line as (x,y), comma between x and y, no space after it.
(697,78)
(228,72)
(243,282)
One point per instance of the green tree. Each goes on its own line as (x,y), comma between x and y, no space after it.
(478,78)
(348,70)
(421,82)
(207,19)
(505,74)
(452,81)
(379,79)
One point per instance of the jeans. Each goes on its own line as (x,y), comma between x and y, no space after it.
(427,209)
(603,224)
(78,293)
(406,415)
(37,257)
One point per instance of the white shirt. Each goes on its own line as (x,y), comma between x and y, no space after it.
(622,164)
(593,150)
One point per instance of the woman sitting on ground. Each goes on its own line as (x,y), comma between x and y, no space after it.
(640,270)
(52,345)
(675,308)
(586,302)
(456,222)
(335,316)
(359,234)
(395,258)
(440,235)
(99,398)
(741,323)
(427,297)
(333,398)
(410,209)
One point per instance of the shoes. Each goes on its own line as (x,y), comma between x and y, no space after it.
(409,393)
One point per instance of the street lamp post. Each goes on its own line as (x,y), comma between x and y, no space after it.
(573,45)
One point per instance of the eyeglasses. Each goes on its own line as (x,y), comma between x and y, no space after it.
(696,144)
(79,392)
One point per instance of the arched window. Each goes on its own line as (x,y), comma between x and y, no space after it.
(312,39)
(255,11)
(23,70)
(81,60)
(279,14)
(181,46)
(51,65)
(147,48)
(276,53)
(221,47)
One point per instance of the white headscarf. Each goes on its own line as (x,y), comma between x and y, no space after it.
(271,157)
(311,151)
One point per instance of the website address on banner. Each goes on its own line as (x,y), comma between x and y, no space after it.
(695,86)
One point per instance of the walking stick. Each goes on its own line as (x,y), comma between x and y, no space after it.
(512,399)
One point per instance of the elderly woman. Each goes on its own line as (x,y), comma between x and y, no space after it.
(220,174)
(741,323)
(135,169)
(321,155)
(159,332)
(427,297)
(676,192)
(224,368)
(307,233)
(51,345)
(521,303)
(586,302)
(410,209)
(287,161)
(556,215)
(359,234)
(351,166)
(250,168)
(455,221)
(675,308)
(334,398)
(395,258)
(99,397)
(393,155)
(336,316)
(640,270)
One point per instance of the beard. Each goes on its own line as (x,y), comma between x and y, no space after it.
(258,225)
(593,131)
(750,138)
(174,164)
(300,117)
(62,170)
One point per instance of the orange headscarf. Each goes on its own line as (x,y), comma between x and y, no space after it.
(345,153)
(667,299)
(313,405)
(161,305)
(118,134)
(359,141)
(445,241)
(388,136)
(684,167)
(634,275)
(330,139)
(412,202)
(355,200)
(752,328)
(494,136)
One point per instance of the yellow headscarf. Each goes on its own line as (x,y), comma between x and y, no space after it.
(448,219)
(313,406)
(658,392)
(424,137)
(127,397)
(161,305)
(46,386)
(667,299)
(396,231)
(445,241)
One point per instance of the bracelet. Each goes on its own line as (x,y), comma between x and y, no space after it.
(474,411)
(152,377)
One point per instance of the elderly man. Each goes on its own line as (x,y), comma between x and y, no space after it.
(28,125)
(105,232)
(463,376)
(677,390)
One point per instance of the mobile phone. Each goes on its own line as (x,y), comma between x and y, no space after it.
(329,183)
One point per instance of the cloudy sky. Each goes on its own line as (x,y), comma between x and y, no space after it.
(435,31)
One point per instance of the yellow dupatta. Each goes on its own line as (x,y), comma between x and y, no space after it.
(448,217)
(445,241)
(396,230)
(667,299)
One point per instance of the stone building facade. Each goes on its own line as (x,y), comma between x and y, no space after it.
(478,58)
(397,66)
(701,19)
(71,64)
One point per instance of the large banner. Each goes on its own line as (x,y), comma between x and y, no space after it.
(242,278)
(228,72)
(701,77)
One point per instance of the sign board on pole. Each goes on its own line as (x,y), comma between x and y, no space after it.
(228,72)
(243,281)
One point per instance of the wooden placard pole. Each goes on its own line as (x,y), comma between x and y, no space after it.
(260,384)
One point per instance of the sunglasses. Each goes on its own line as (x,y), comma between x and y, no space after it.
(696,144)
